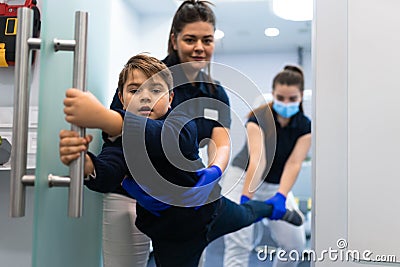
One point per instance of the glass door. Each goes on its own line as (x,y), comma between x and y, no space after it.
(60,240)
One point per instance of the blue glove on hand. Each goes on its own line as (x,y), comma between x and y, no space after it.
(208,175)
(199,194)
(279,206)
(244,199)
(145,200)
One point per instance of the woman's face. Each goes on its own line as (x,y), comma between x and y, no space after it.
(195,44)
(287,93)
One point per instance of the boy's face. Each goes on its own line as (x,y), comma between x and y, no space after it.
(146,97)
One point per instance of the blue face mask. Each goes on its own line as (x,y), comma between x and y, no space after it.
(286,110)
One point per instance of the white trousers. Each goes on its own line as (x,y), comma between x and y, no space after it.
(123,244)
(239,245)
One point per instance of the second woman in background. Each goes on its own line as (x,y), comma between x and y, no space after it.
(293,140)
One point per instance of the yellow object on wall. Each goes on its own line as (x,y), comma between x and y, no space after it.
(3,62)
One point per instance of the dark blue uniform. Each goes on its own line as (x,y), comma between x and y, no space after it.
(286,138)
(205,101)
(179,234)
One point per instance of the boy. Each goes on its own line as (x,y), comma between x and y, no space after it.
(166,176)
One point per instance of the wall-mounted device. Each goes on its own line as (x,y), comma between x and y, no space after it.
(9,26)
(5,150)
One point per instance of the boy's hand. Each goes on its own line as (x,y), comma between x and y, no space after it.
(71,145)
(83,109)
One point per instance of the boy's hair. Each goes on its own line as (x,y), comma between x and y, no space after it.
(149,66)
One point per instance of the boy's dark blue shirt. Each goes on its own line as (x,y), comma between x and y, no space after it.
(111,167)
(111,161)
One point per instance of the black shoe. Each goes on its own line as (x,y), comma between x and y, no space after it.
(294,217)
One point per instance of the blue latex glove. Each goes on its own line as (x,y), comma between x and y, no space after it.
(145,200)
(244,199)
(278,201)
(199,194)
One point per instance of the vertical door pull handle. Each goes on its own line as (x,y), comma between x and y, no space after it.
(19,180)
(24,44)
(79,47)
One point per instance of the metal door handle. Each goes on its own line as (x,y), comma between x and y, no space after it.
(19,179)
(24,43)
(76,170)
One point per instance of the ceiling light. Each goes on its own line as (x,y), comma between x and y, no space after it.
(296,10)
(218,34)
(271,32)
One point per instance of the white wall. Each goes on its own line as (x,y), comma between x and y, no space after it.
(124,41)
(131,34)
(330,126)
(356,129)
(262,67)
(7,85)
(373,128)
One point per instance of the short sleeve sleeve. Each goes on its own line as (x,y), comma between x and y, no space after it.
(304,127)
(224,119)
(253,118)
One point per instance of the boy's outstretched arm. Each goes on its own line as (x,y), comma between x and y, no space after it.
(71,145)
(84,110)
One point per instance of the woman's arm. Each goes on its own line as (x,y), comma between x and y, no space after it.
(293,164)
(219,147)
(257,160)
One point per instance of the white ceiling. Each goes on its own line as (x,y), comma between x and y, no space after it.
(243,23)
